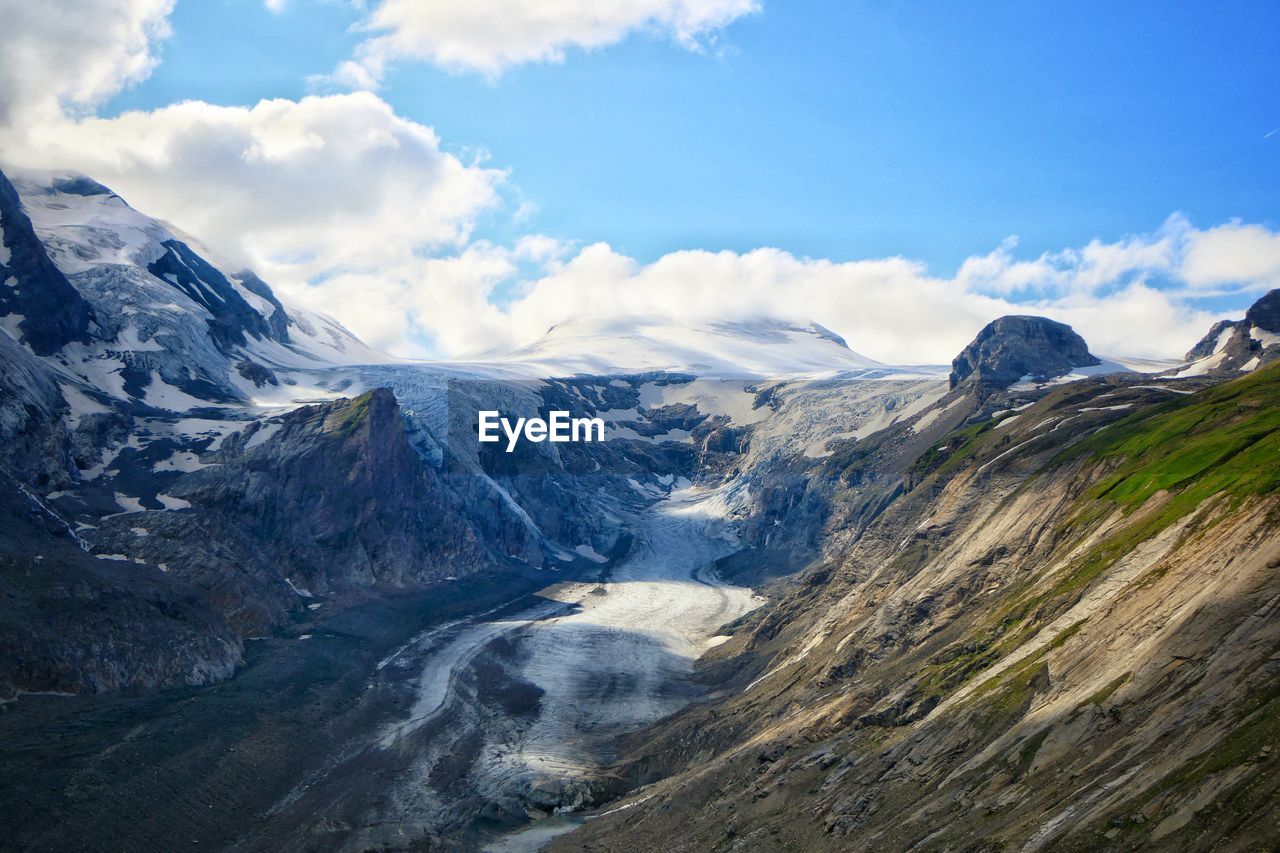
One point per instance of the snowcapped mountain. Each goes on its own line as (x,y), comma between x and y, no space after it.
(1238,346)
(126,309)
(188,463)
(761,348)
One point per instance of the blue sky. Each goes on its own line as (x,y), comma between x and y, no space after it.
(455,176)
(837,130)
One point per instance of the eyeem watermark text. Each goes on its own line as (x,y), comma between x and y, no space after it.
(558,428)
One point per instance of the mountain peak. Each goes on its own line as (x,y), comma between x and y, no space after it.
(1017,346)
(156,319)
(1265,313)
(762,347)
(1239,346)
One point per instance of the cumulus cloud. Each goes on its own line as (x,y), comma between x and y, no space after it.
(73,55)
(891,309)
(345,205)
(489,36)
(1233,255)
(297,188)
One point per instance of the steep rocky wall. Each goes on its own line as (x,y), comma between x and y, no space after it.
(1035,646)
(327,501)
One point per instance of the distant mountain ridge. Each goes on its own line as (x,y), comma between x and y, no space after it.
(1028,561)
(765,348)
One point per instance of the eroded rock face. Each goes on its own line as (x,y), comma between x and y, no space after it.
(1265,313)
(1233,347)
(1012,347)
(325,501)
(77,623)
(1037,646)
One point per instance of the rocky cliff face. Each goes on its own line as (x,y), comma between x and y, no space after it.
(324,502)
(1037,614)
(156,512)
(1233,347)
(1010,348)
(1062,635)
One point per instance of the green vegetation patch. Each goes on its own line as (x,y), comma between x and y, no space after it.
(1030,747)
(1222,439)
(344,422)
(946,456)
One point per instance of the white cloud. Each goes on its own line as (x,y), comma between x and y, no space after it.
(890,309)
(1232,255)
(489,36)
(299,189)
(73,55)
(341,202)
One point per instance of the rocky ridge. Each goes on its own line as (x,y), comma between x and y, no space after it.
(1058,635)
(180,479)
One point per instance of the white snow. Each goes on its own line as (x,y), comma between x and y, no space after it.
(297,589)
(591,554)
(84,231)
(162,395)
(931,417)
(754,348)
(1110,364)
(206,428)
(264,432)
(11,323)
(172,503)
(1201,367)
(729,397)
(1164,388)
(81,403)
(1262,336)
(621,432)
(183,461)
(128,339)
(130,505)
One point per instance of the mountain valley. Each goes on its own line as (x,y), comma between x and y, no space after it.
(264,588)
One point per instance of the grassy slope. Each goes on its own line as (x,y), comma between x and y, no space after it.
(1220,444)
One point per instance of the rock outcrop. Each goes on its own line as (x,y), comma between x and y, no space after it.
(1013,347)
(1233,347)
(1061,636)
